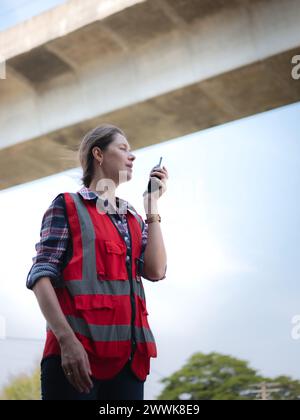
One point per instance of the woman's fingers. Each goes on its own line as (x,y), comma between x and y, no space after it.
(78,380)
(85,376)
(88,366)
(160,170)
(79,377)
(159,174)
(73,379)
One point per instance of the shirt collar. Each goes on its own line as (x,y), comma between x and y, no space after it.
(87,194)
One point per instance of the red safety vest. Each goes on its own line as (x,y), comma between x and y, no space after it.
(103,298)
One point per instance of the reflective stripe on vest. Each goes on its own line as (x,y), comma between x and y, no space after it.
(108,332)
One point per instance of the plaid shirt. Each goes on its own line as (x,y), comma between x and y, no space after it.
(55,246)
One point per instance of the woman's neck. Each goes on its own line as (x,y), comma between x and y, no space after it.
(103,190)
(106,195)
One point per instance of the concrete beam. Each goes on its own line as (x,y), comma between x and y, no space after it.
(159,69)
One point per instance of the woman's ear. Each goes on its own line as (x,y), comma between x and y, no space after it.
(97,153)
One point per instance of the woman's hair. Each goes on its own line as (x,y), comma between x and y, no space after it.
(100,136)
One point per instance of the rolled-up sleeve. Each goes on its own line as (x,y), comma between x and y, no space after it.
(52,248)
(141,259)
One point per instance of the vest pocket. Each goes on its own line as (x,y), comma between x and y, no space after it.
(114,247)
(105,337)
(114,261)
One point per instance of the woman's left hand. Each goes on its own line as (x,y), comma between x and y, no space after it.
(160,178)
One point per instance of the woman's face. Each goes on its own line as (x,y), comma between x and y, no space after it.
(118,160)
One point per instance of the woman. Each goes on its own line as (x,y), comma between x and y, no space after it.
(86,276)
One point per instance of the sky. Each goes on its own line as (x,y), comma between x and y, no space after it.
(15,11)
(230,220)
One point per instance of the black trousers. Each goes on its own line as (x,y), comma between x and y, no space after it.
(55,386)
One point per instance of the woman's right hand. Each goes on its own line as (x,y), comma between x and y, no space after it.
(74,357)
(75,364)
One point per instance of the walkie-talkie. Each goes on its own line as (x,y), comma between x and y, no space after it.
(154,185)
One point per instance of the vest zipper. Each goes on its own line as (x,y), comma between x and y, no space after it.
(132,299)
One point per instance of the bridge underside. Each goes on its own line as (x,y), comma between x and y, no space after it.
(163,76)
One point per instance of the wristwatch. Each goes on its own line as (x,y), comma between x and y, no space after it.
(153,218)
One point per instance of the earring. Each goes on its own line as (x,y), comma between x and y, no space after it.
(100,163)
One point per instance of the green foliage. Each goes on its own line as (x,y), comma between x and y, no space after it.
(220,377)
(288,389)
(23,387)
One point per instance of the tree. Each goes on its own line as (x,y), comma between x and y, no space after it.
(23,387)
(220,377)
(289,389)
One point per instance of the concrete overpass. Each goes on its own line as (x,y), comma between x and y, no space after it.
(157,68)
